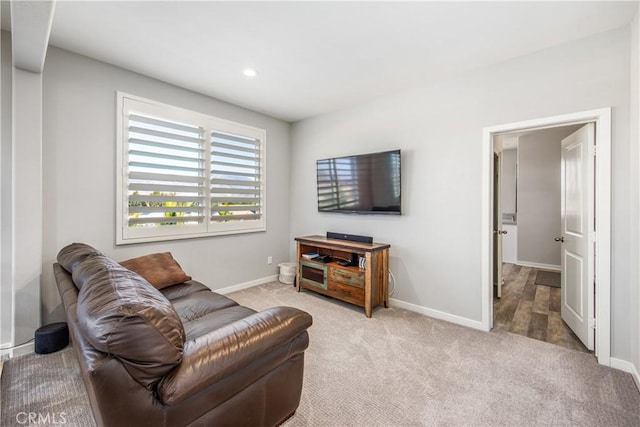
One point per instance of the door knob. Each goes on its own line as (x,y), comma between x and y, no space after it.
(559,239)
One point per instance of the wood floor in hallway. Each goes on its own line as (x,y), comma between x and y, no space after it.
(531,310)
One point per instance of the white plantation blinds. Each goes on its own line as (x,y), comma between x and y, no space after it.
(183,174)
(166,184)
(236,177)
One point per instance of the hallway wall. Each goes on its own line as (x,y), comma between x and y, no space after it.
(539,196)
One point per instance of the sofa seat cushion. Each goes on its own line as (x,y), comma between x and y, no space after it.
(215,320)
(198,304)
(121,314)
(202,310)
(183,289)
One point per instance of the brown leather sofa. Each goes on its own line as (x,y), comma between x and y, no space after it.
(181,355)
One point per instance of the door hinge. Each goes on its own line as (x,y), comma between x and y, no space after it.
(592,323)
(595,150)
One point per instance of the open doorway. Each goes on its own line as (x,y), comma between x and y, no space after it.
(597,232)
(528,298)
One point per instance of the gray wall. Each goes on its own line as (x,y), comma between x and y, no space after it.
(508,181)
(539,196)
(79,176)
(436,245)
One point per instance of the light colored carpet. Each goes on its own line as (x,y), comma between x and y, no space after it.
(46,390)
(403,369)
(548,278)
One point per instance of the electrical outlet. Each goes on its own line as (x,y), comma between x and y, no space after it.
(269,260)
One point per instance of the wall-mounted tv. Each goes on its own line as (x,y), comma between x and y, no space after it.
(360,184)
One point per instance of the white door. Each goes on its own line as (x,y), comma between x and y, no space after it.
(577,212)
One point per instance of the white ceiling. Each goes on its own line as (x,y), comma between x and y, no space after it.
(317,57)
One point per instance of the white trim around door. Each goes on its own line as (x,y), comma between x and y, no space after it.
(602,118)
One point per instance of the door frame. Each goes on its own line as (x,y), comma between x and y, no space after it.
(602,118)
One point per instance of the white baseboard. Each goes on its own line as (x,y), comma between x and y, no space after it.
(246,285)
(458,320)
(625,366)
(19,350)
(541,266)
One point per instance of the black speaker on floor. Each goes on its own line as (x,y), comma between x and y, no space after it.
(349,237)
(50,338)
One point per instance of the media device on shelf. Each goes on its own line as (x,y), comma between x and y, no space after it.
(360,184)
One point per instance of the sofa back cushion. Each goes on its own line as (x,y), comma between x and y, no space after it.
(71,255)
(120,313)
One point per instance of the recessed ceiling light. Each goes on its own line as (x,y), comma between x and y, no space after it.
(250,72)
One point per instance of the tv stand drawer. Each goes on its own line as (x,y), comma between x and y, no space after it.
(346,293)
(348,277)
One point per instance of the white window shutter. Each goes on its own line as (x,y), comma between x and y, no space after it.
(166,175)
(236,178)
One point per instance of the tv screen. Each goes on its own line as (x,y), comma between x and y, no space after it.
(361,184)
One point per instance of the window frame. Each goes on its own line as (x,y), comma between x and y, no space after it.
(127,103)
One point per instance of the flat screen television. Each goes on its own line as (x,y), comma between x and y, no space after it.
(360,184)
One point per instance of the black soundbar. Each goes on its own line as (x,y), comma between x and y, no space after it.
(349,237)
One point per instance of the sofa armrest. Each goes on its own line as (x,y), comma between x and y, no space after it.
(219,353)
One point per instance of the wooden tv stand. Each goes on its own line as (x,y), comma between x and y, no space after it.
(366,287)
